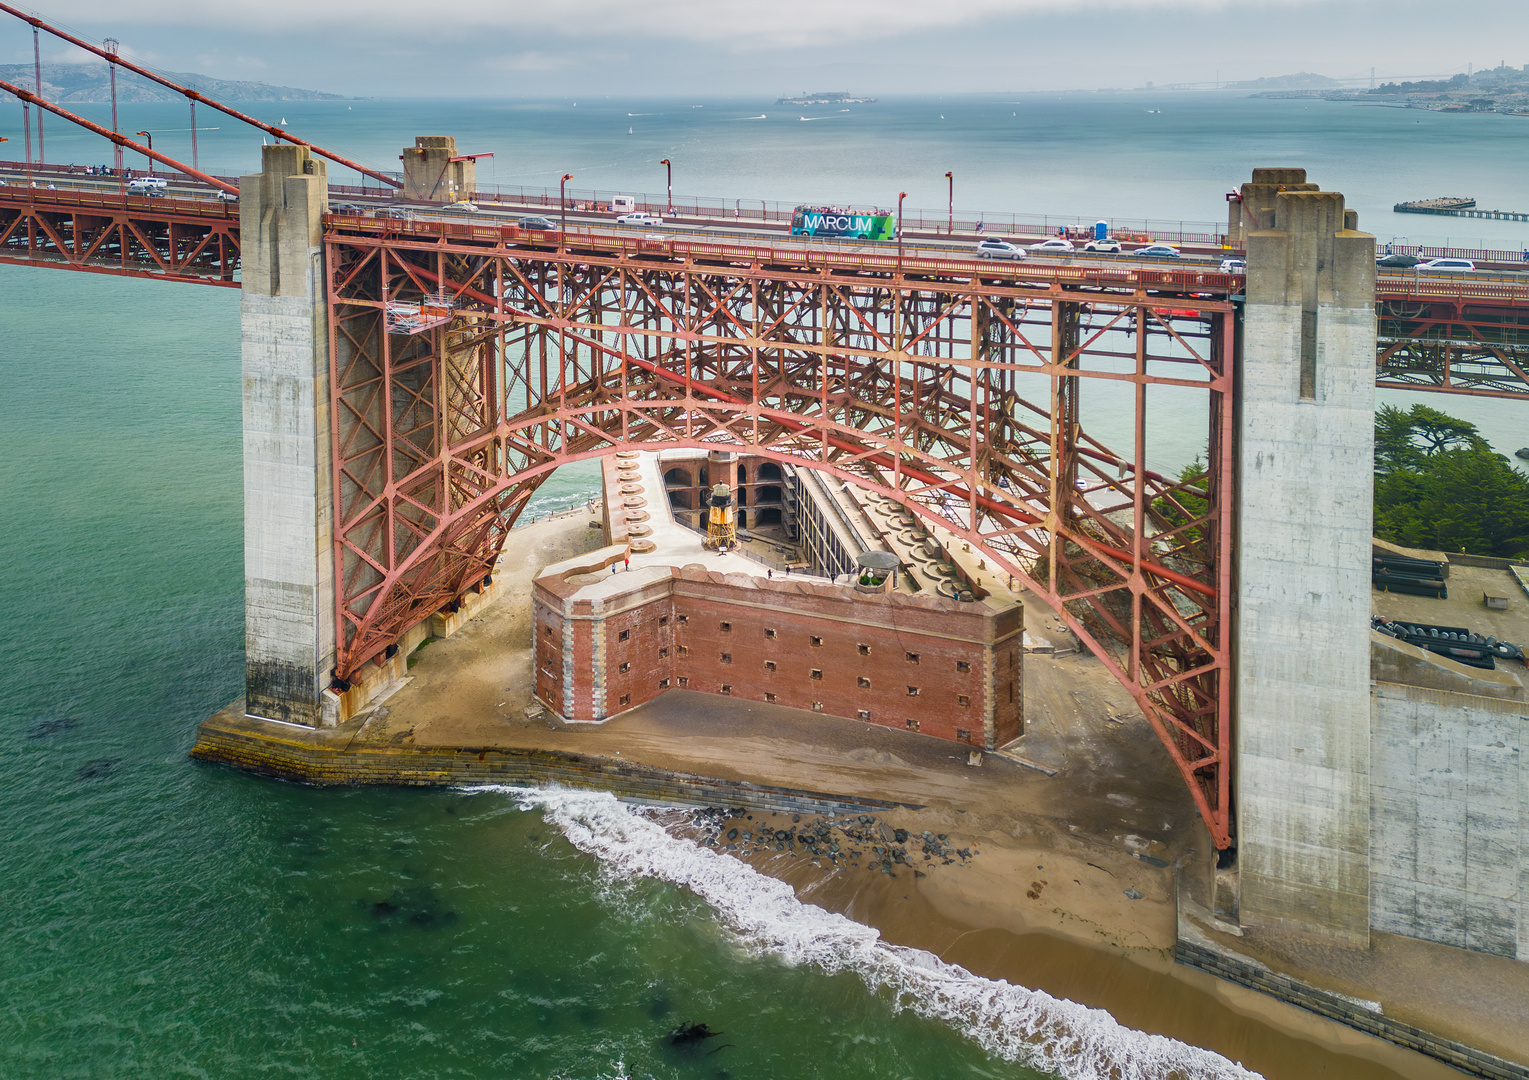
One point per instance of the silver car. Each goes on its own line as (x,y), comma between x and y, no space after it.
(994,248)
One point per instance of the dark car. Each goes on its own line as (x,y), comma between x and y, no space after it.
(1405,262)
(535,221)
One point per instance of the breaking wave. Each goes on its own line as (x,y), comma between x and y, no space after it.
(1029,1027)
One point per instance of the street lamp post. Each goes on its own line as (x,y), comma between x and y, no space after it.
(669,184)
(562,207)
(950,220)
(150,137)
(901,195)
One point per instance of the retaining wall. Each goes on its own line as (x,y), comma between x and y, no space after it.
(1257,977)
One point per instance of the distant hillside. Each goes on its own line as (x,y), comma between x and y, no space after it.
(91,82)
(1304,80)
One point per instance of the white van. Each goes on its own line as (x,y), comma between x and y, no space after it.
(147,185)
(623,204)
(1446,264)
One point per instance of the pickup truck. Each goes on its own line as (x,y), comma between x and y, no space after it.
(147,185)
(640,217)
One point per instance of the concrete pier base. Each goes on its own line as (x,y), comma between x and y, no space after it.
(1305,482)
(288,507)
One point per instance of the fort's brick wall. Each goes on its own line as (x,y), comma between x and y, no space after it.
(928,664)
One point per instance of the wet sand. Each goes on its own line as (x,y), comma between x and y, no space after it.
(1069,882)
(970,913)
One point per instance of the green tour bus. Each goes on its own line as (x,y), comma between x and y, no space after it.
(831,222)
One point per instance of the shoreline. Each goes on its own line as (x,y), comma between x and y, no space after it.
(1070,882)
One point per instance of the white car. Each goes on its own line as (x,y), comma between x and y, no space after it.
(640,218)
(1056,243)
(1233,266)
(1446,264)
(1104,245)
(464,205)
(993,247)
(147,185)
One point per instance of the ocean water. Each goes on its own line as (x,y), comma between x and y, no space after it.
(163,918)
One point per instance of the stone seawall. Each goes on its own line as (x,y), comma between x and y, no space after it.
(1333,1007)
(288,753)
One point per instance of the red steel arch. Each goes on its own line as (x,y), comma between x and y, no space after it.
(467,363)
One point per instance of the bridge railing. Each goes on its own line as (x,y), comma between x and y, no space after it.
(41,172)
(146,205)
(1480,255)
(1407,286)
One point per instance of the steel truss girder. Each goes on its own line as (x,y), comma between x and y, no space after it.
(914,388)
(1453,347)
(164,239)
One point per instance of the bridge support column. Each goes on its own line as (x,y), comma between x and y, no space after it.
(1305,479)
(289,629)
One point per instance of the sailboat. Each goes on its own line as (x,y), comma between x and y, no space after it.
(629,129)
(283,121)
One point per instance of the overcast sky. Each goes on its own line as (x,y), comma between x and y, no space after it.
(516,48)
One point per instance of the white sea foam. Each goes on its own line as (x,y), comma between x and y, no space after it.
(1012,1022)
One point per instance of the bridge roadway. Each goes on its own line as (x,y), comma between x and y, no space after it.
(1510,286)
(1458,333)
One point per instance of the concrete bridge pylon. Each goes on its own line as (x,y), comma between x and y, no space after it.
(289,619)
(1306,397)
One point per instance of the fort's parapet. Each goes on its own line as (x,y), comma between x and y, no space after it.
(606,643)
